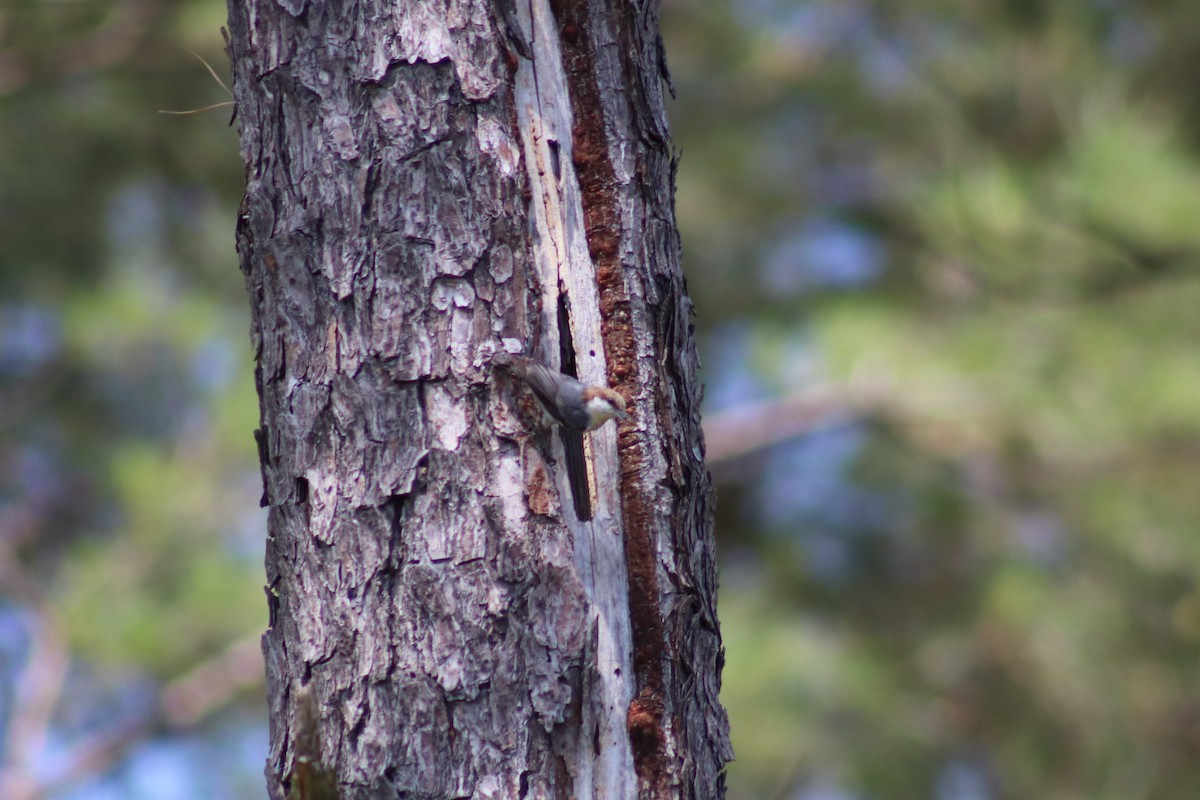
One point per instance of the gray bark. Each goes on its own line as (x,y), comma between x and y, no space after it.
(429,184)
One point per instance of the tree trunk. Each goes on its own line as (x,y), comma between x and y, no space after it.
(427,185)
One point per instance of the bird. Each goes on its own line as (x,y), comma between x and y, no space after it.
(571,403)
(577,408)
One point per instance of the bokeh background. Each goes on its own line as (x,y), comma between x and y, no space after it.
(945,260)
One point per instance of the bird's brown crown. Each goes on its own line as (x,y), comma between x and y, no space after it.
(602,405)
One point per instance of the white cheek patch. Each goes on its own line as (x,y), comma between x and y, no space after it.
(599,408)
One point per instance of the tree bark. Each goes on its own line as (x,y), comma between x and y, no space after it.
(429,184)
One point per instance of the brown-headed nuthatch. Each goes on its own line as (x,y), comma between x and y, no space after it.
(571,403)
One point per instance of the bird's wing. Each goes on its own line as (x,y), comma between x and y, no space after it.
(548,387)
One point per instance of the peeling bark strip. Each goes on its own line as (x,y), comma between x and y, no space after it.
(613,58)
(423,187)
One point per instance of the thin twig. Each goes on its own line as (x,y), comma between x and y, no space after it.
(222,104)
(39,687)
(181,704)
(743,431)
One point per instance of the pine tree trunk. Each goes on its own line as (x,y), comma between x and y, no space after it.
(429,184)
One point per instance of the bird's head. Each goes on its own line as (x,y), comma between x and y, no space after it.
(603,404)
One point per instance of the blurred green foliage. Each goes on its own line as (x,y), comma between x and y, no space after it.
(128,473)
(975,221)
(1003,602)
